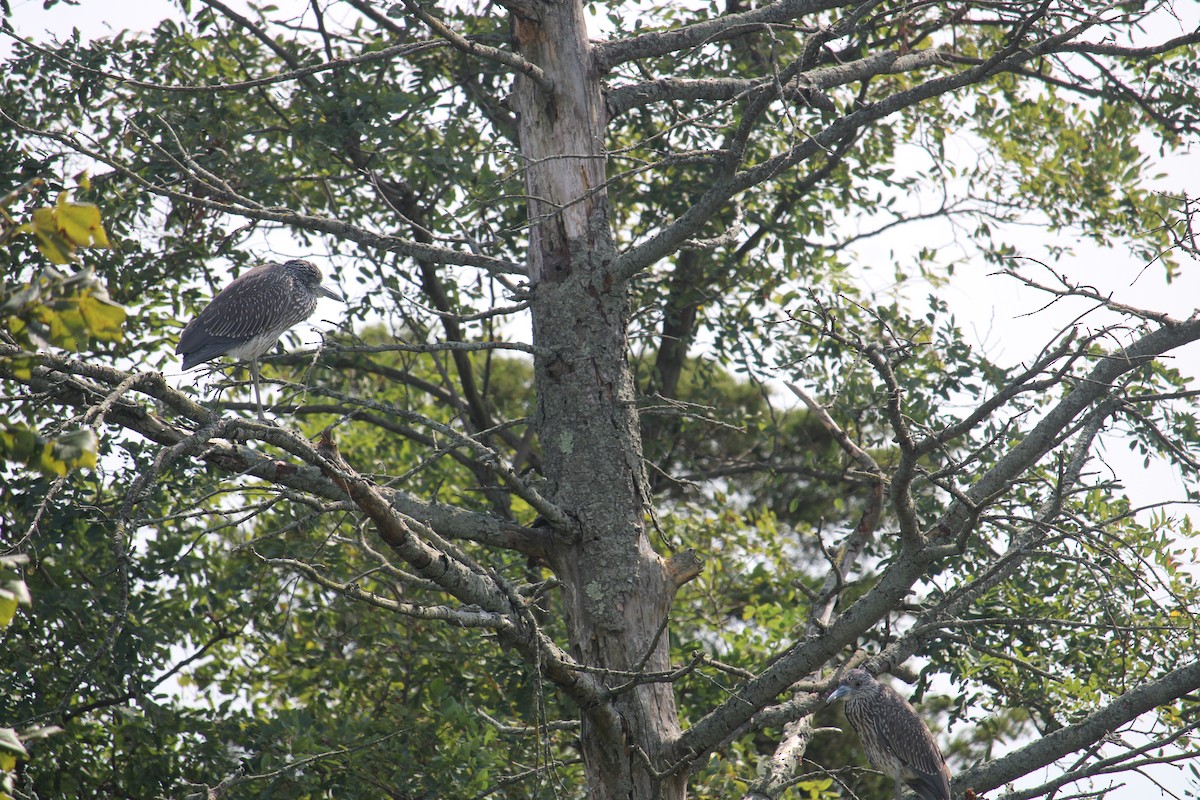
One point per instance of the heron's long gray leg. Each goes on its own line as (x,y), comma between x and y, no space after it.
(258,398)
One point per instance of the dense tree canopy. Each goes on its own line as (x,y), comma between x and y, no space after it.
(613,463)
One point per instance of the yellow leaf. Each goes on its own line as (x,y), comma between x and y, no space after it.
(43,219)
(66,327)
(22,368)
(49,465)
(103,317)
(8,609)
(100,238)
(73,450)
(80,223)
(65,226)
(54,246)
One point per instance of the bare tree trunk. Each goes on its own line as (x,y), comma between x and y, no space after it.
(617,592)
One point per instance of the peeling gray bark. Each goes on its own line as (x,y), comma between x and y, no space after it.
(616,589)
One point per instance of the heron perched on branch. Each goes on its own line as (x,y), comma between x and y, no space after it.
(897,742)
(248,316)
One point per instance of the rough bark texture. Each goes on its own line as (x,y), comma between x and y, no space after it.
(616,589)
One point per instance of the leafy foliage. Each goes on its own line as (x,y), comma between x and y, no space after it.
(218,612)
(57,310)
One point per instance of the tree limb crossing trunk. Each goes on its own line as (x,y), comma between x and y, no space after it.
(617,592)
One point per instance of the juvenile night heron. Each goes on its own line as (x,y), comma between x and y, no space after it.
(248,316)
(896,740)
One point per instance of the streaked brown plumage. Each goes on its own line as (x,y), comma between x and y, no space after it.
(897,742)
(248,316)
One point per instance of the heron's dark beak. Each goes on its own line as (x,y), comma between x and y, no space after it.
(330,293)
(838,692)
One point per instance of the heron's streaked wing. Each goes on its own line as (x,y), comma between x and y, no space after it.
(902,732)
(258,302)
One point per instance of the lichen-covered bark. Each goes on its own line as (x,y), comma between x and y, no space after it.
(616,590)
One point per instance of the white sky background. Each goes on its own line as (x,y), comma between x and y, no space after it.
(992,308)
